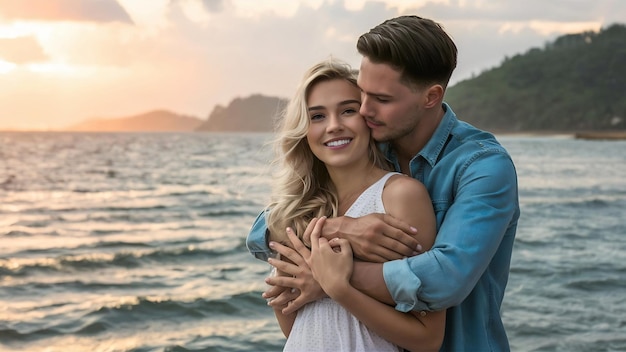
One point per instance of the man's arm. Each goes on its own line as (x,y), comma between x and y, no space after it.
(375,237)
(379,237)
(484,208)
(403,198)
(257,238)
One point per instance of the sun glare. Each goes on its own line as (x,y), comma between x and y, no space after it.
(22,29)
(546,28)
(249,8)
(53,68)
(6,67)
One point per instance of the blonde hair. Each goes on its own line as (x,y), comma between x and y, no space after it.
(302,187)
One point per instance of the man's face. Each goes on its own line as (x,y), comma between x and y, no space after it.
(391,109)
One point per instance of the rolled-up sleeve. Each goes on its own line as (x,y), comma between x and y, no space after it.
(403,293)
(257,238)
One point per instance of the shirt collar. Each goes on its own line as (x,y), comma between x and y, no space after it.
(435,145)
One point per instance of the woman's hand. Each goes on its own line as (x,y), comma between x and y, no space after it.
(330,261)
(295,286)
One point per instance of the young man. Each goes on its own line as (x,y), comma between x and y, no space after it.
(407,63)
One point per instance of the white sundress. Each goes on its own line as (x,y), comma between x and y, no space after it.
(324,325)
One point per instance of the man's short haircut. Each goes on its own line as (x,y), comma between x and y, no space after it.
(418,48)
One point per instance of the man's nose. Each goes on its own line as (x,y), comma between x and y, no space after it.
(365,109)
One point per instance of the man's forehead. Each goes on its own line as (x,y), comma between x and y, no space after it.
(374,69)
(377,77)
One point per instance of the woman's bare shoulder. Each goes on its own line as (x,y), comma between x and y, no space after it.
(404,187)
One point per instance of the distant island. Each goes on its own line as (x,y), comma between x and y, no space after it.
(256,113)
(575,84)
(154,121)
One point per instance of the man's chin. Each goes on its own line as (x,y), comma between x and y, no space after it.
(380,138)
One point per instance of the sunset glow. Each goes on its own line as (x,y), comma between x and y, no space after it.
(548,28)
(6,67)
(60,64)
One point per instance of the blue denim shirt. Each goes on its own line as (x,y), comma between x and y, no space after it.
(473,186)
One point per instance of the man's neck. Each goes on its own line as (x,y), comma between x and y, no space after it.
(409,146)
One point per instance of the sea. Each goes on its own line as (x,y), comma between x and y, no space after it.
(136,242)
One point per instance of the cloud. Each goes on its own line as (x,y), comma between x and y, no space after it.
(64,10)
(21,50)
(268,54)
(213,6)
(189,55)
(529,10)
(486,32)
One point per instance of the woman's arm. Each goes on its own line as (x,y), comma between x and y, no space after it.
(295,281)
(408,330)
(331,262)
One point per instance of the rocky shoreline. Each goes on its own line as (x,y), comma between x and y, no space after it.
(606,135)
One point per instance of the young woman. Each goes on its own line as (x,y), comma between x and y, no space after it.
(329,166)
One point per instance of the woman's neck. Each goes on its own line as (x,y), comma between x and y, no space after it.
(351,181)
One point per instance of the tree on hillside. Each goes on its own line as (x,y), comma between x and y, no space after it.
(577,82)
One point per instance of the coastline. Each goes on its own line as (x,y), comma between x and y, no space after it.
(604,135)
(588,135)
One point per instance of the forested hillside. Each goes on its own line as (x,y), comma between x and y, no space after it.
(577,82)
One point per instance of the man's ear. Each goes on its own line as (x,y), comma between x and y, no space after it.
(434,96)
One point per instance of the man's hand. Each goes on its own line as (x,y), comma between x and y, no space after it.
(375,237)
(301,287)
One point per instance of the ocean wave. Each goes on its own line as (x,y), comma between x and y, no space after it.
(18,233)
(86,262)
(34,223)
(598,284)
(227,213)
(82,286)
(110,320)
(23,231)
(243,303)
(8,335)
(597,202)
(188,193)
(69,210)
(116,244)
(574,199)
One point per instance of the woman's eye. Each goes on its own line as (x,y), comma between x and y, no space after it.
(317,117)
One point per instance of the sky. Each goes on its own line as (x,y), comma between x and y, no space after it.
(64,61)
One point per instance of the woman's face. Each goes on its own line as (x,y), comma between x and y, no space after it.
(337,134)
